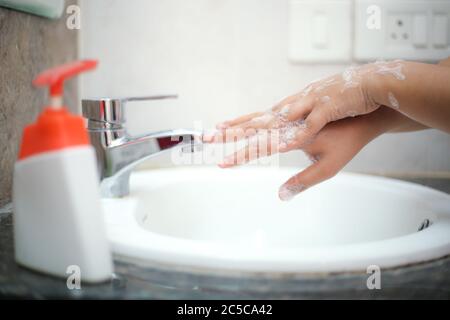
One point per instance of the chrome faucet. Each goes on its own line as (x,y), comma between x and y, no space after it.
(118,152)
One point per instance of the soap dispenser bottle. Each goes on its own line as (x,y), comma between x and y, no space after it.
(58,223)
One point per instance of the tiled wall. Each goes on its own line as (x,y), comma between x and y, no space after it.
(28,45)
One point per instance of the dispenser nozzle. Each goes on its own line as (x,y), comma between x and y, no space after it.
(55,77)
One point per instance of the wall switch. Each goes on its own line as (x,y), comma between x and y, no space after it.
(440,30)
(320,30)
(420,30)
(407,29)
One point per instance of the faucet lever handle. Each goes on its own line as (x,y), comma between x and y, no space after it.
(148,98)
(111,110)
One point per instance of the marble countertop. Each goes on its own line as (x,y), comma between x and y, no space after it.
(134,280)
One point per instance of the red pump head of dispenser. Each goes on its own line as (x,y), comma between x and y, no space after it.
(55,77)
(56,128)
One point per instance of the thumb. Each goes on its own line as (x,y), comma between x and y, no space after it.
(317,172)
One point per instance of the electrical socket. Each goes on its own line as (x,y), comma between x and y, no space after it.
(399,30)
(406,29)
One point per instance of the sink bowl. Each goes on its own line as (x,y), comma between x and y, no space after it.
(216,219)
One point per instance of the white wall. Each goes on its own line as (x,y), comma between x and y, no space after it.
(224,58)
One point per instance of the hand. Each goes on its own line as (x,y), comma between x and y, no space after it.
(334,146)
(339,142)
(301,116)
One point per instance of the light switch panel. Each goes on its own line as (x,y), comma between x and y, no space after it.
(440,30)
(420,30)
(320,31)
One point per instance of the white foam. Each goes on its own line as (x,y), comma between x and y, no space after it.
(313,159)
(307,90)
(351,113)
(287,192)
(288,135)
(393,101)
(284,112)
(324,84)
(263,119)
(325,99)
(350,78)
(288,131)
(347,75)
(395,71)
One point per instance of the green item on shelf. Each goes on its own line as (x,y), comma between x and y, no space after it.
(51,9)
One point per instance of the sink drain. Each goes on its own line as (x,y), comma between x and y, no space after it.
(425,224)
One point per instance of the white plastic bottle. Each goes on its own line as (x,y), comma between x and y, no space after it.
(58,222)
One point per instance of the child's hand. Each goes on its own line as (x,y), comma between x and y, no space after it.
(334,146)
(339,142)
(416,93)
(301,116)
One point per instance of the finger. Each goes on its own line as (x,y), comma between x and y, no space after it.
(319,171)
(229,135)
(297,110)
(257,147)
(291,121)
(213,136)
(239,120)
(249,117)
(290,115)
(287,100)
(264,121)
(209,136)
(315,121)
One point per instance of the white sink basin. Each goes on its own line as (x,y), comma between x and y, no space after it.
(233,220)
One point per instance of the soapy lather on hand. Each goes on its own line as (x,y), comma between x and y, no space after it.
(332,119)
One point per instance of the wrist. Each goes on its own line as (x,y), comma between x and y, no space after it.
(382,120)
(373,87)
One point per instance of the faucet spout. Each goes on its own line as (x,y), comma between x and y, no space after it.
(118,153)
(117,159)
